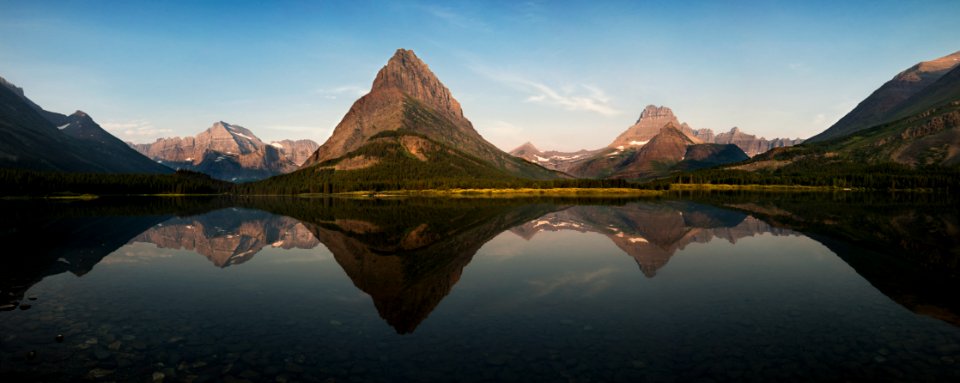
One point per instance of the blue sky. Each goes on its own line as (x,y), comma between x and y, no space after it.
(564,75)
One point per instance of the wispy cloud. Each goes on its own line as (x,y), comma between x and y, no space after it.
(576,97)
(454,18)
(798,66)
(531,12)
(135,130)
(351,91)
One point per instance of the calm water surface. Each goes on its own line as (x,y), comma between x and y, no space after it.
(715,288)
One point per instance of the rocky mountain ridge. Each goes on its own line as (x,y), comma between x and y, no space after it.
(622,151)
(228,152)
(637,153)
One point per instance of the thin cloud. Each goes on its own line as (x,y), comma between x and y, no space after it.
(456,19)
(130,130)
(574,97)
(352,91)
(798,67)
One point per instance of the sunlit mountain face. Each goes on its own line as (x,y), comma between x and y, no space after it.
(522,286)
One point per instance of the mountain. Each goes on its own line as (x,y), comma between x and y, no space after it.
(652,119)
(297,151)
(883,104)
(710,155)
(943,91)
(662,154)
(925,132)
(409,124)
(556,160)
(228,152)
(30,139)
(622,158)
(663,150)
(750,144)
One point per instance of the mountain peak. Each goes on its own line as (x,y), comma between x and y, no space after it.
(422,117)
(16,89)
(651,120)
(673,131)
(939,65)
(410,75)
(652,111)
(527,147)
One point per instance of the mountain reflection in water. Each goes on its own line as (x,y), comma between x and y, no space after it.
(407,255)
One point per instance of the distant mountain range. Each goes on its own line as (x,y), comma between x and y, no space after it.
(656,145)
(409,132)
(229,152)
(37,139)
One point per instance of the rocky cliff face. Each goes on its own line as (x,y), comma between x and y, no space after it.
(881,106)
(228,152)
(749,143)
(297,151)
(407,99)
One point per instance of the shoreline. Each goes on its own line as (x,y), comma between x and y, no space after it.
(505,193)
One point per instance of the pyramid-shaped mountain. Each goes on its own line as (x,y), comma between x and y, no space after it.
(410,127)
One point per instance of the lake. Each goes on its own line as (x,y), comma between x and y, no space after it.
(694,287)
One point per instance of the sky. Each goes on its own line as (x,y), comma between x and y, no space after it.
(564,75)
